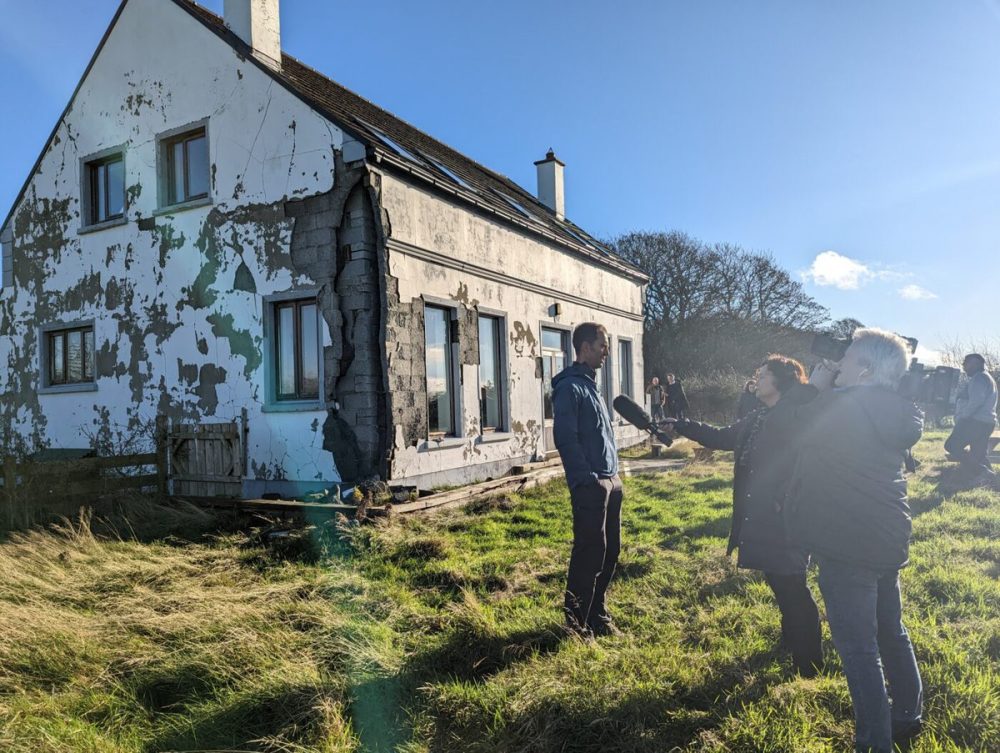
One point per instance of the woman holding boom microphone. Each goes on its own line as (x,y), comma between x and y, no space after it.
(764,458)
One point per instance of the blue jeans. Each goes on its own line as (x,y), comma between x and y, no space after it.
(865,613)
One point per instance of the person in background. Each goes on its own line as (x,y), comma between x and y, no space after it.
(677,402)
(585,439)
(975,419)
(764,453)
(749,402)
(657,399)
(846,504)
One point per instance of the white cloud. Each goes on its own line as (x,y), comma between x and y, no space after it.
(830,269)
(928,356)
(915,293)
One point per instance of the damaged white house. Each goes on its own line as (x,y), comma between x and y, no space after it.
(228,229)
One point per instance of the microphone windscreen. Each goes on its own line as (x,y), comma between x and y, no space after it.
(632,412)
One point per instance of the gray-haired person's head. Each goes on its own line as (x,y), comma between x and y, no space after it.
(874,357)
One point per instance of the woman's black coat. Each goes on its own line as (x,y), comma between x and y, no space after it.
(765,458)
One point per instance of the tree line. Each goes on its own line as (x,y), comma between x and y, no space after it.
(719,309)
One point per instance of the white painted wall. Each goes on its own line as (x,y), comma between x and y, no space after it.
(159,70)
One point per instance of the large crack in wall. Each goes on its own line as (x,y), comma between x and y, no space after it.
(335,242)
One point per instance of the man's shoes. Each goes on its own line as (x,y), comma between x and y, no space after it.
(604,627)
(904,736)
(575,630)
(986,480)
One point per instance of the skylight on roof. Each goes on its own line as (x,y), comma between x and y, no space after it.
(391,143)
(451,174)
(584,241)
(515,205)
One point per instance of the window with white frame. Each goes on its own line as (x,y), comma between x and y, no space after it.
(604,376)
(555,358)
(625,368)
(439,362)
(69,356)
(104,189)
(185,166)
(296,350)
(491,369)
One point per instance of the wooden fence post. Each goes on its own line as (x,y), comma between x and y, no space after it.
(162,452)
(244,451)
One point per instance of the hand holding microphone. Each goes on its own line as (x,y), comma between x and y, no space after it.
(632,412)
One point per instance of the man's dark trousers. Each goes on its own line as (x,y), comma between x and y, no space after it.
(597,536)
(976,436)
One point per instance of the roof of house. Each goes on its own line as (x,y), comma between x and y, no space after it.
(398,143)
(419,153)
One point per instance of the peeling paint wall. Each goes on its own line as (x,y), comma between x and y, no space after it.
(440,251)
(178,306)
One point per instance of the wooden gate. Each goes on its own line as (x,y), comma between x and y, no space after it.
(207,460)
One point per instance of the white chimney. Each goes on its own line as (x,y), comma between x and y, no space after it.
(257,23)
(551,189)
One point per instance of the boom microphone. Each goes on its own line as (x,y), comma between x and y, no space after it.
(632,412)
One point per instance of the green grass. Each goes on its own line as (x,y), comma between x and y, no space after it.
(442,633)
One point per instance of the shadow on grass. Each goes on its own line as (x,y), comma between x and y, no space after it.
(713,484)
(238,724)
(469,654)
(712,528)
(637,720)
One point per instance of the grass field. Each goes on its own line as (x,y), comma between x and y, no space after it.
(442,633)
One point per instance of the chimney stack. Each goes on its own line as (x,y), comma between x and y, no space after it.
(257,23)
(551,188)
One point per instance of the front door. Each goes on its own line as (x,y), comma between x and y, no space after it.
(555,358)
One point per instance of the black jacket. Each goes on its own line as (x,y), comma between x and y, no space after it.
(764,451)
(676,399)
(847,497)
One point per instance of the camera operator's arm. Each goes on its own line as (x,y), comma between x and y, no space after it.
(712,437)
(566,432)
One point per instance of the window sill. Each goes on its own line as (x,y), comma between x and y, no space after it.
(293,406)
(445,443)
(99,226)
(57,389)
(494,436)
(182,207)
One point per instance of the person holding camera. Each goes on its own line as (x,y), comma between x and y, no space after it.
(764,452)
(585,439)
(749,402)
(846,504)
(975,419)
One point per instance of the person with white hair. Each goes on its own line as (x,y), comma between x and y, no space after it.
(847,505)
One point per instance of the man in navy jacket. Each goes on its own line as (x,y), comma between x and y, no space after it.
(586,441)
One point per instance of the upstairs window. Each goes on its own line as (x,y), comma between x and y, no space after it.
(105,189)
(70,356)
(187,170)
(296,350)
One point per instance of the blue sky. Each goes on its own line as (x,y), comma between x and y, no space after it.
(858,142)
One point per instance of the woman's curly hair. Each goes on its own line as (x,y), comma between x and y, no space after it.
(787,371)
